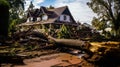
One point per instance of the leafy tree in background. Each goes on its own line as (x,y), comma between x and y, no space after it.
(101,25)
(16,13)
(4,18)
(108,12)
(16,8)
(31,6)
(51,7)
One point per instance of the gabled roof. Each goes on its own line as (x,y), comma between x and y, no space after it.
(53,14)
(59,10)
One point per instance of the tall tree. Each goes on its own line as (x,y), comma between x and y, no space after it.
(9,10)
(4,18)
(31,6)
(99,24)
(16,12)
(16,8)
(108,12)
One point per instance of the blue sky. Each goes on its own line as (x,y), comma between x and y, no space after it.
(47,3)
(80,11)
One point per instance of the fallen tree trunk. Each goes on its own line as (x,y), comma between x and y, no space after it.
(103,54)
(78,44)
(37,36)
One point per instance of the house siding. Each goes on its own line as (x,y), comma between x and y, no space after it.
(64,18)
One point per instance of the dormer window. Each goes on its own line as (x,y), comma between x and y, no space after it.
(65,17)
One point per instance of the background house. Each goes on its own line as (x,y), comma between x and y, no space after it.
(48,17)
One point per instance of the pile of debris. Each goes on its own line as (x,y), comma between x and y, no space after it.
(29,44)
(22,44)
(105,54)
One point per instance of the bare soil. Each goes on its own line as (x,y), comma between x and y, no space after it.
(52,60)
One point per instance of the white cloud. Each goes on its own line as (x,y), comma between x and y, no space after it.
(27,4)
(78,8)
(35,3)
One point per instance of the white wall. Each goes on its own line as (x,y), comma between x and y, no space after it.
(62,18)
(44,17)
(29,19)
(38,19)
(67,18)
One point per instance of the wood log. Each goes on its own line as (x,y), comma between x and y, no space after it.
(78,44)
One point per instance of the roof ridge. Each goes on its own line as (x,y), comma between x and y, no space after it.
(59,11)
(61,7)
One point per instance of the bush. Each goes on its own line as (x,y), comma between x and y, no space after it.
(64,32)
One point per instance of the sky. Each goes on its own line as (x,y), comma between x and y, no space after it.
(79,9)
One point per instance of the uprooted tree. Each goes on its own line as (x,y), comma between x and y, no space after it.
(108,12)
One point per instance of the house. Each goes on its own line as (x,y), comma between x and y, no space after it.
(48,17)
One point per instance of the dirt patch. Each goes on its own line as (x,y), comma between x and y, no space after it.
(53,60)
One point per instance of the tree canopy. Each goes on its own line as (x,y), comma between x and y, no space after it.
(16,12)
(10,11)
(108,12)
(16,8)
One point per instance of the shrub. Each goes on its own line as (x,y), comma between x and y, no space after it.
(64,32)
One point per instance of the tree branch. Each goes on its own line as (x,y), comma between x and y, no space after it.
(110,10)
